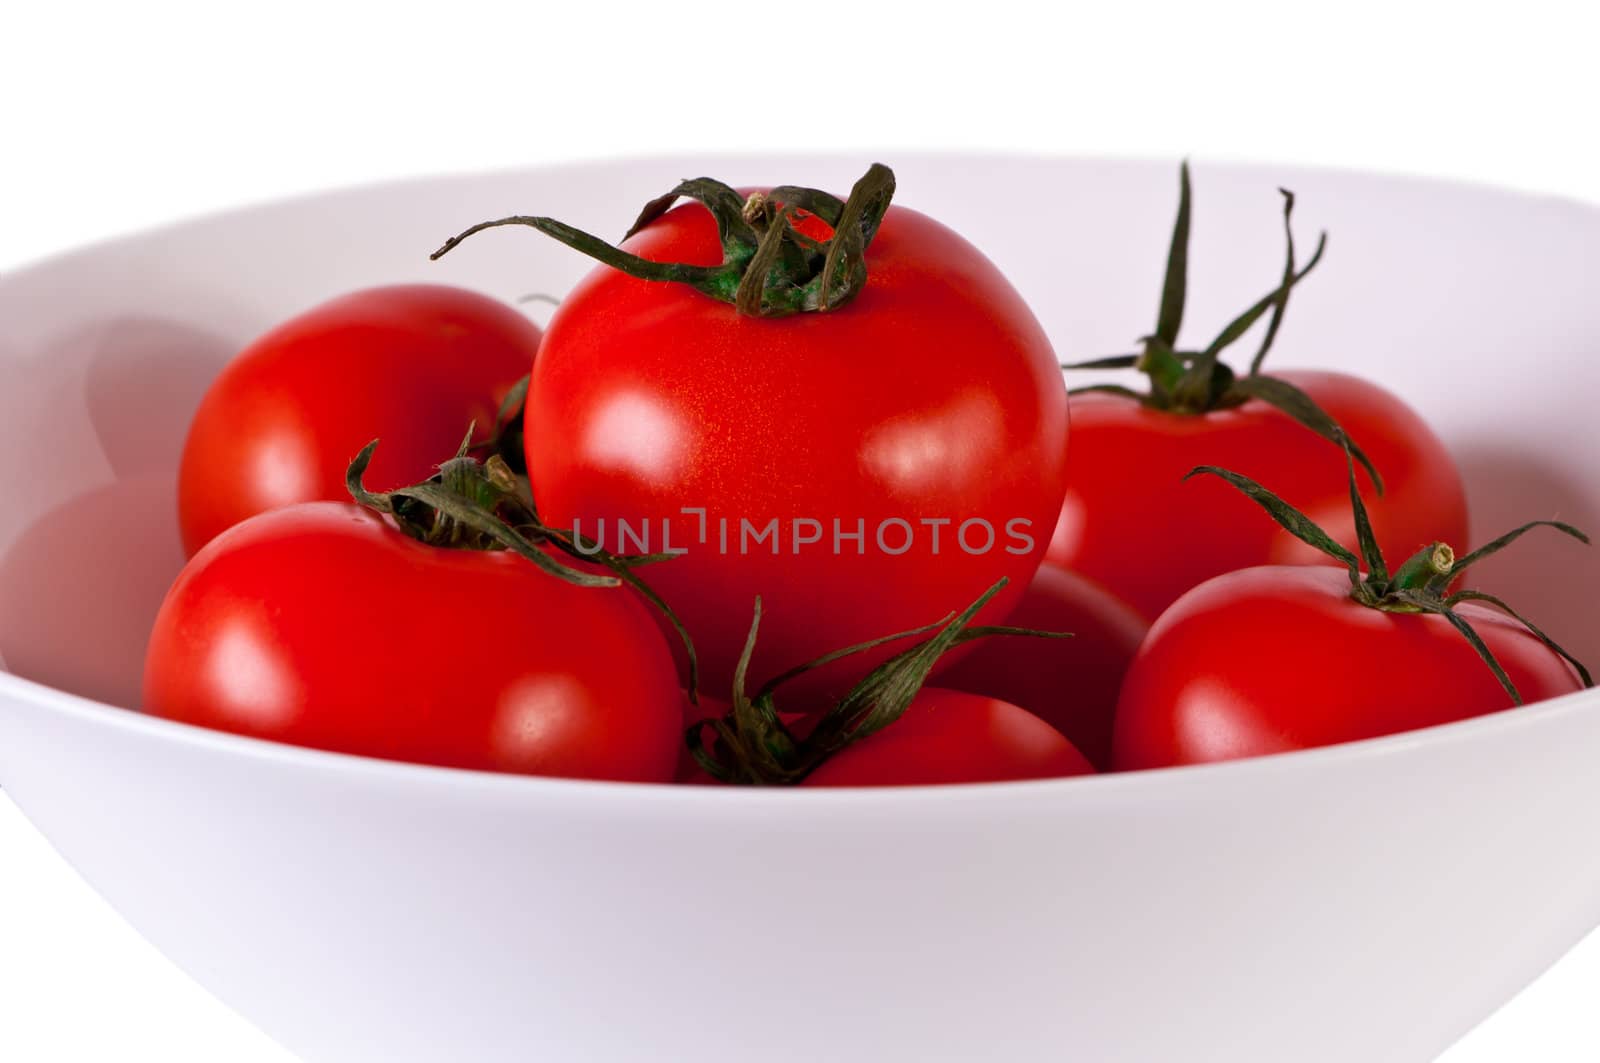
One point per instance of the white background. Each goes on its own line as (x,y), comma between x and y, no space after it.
(115,117)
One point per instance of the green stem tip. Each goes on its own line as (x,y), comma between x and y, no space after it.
(1192,382)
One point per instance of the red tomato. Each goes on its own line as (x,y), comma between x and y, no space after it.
(1071,684)
(949,736)
(1130,523)
(1278,658)
(322,625)
(933,396)
(414,364)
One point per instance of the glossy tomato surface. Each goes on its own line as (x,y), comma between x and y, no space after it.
(931,400)
(322,625)
(1071,684)
(1131,523)
(950,736)
(1279,658)
(412,365)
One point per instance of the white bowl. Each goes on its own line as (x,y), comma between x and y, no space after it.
(1367,902)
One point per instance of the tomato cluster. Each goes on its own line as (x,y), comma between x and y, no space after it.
(784,496)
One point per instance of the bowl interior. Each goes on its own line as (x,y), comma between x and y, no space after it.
(1470,303)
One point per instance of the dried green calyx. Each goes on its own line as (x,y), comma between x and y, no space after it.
(769,268)
(1422,584)
(752,746)
(1197,381)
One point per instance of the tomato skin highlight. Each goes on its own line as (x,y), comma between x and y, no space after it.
(1130,523)
(1071,684)
(950,736)
(322,625)
(933,395)
(1279,658)
(412,364)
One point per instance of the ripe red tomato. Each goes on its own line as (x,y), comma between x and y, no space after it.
(414,364)
(950,736)
(932,396)
(1278,658)
(1071,684)
(1130,523)
(322,625)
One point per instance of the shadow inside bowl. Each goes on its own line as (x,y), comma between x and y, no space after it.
(79,590)
(1550,579)
(80,584)
(143,380)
